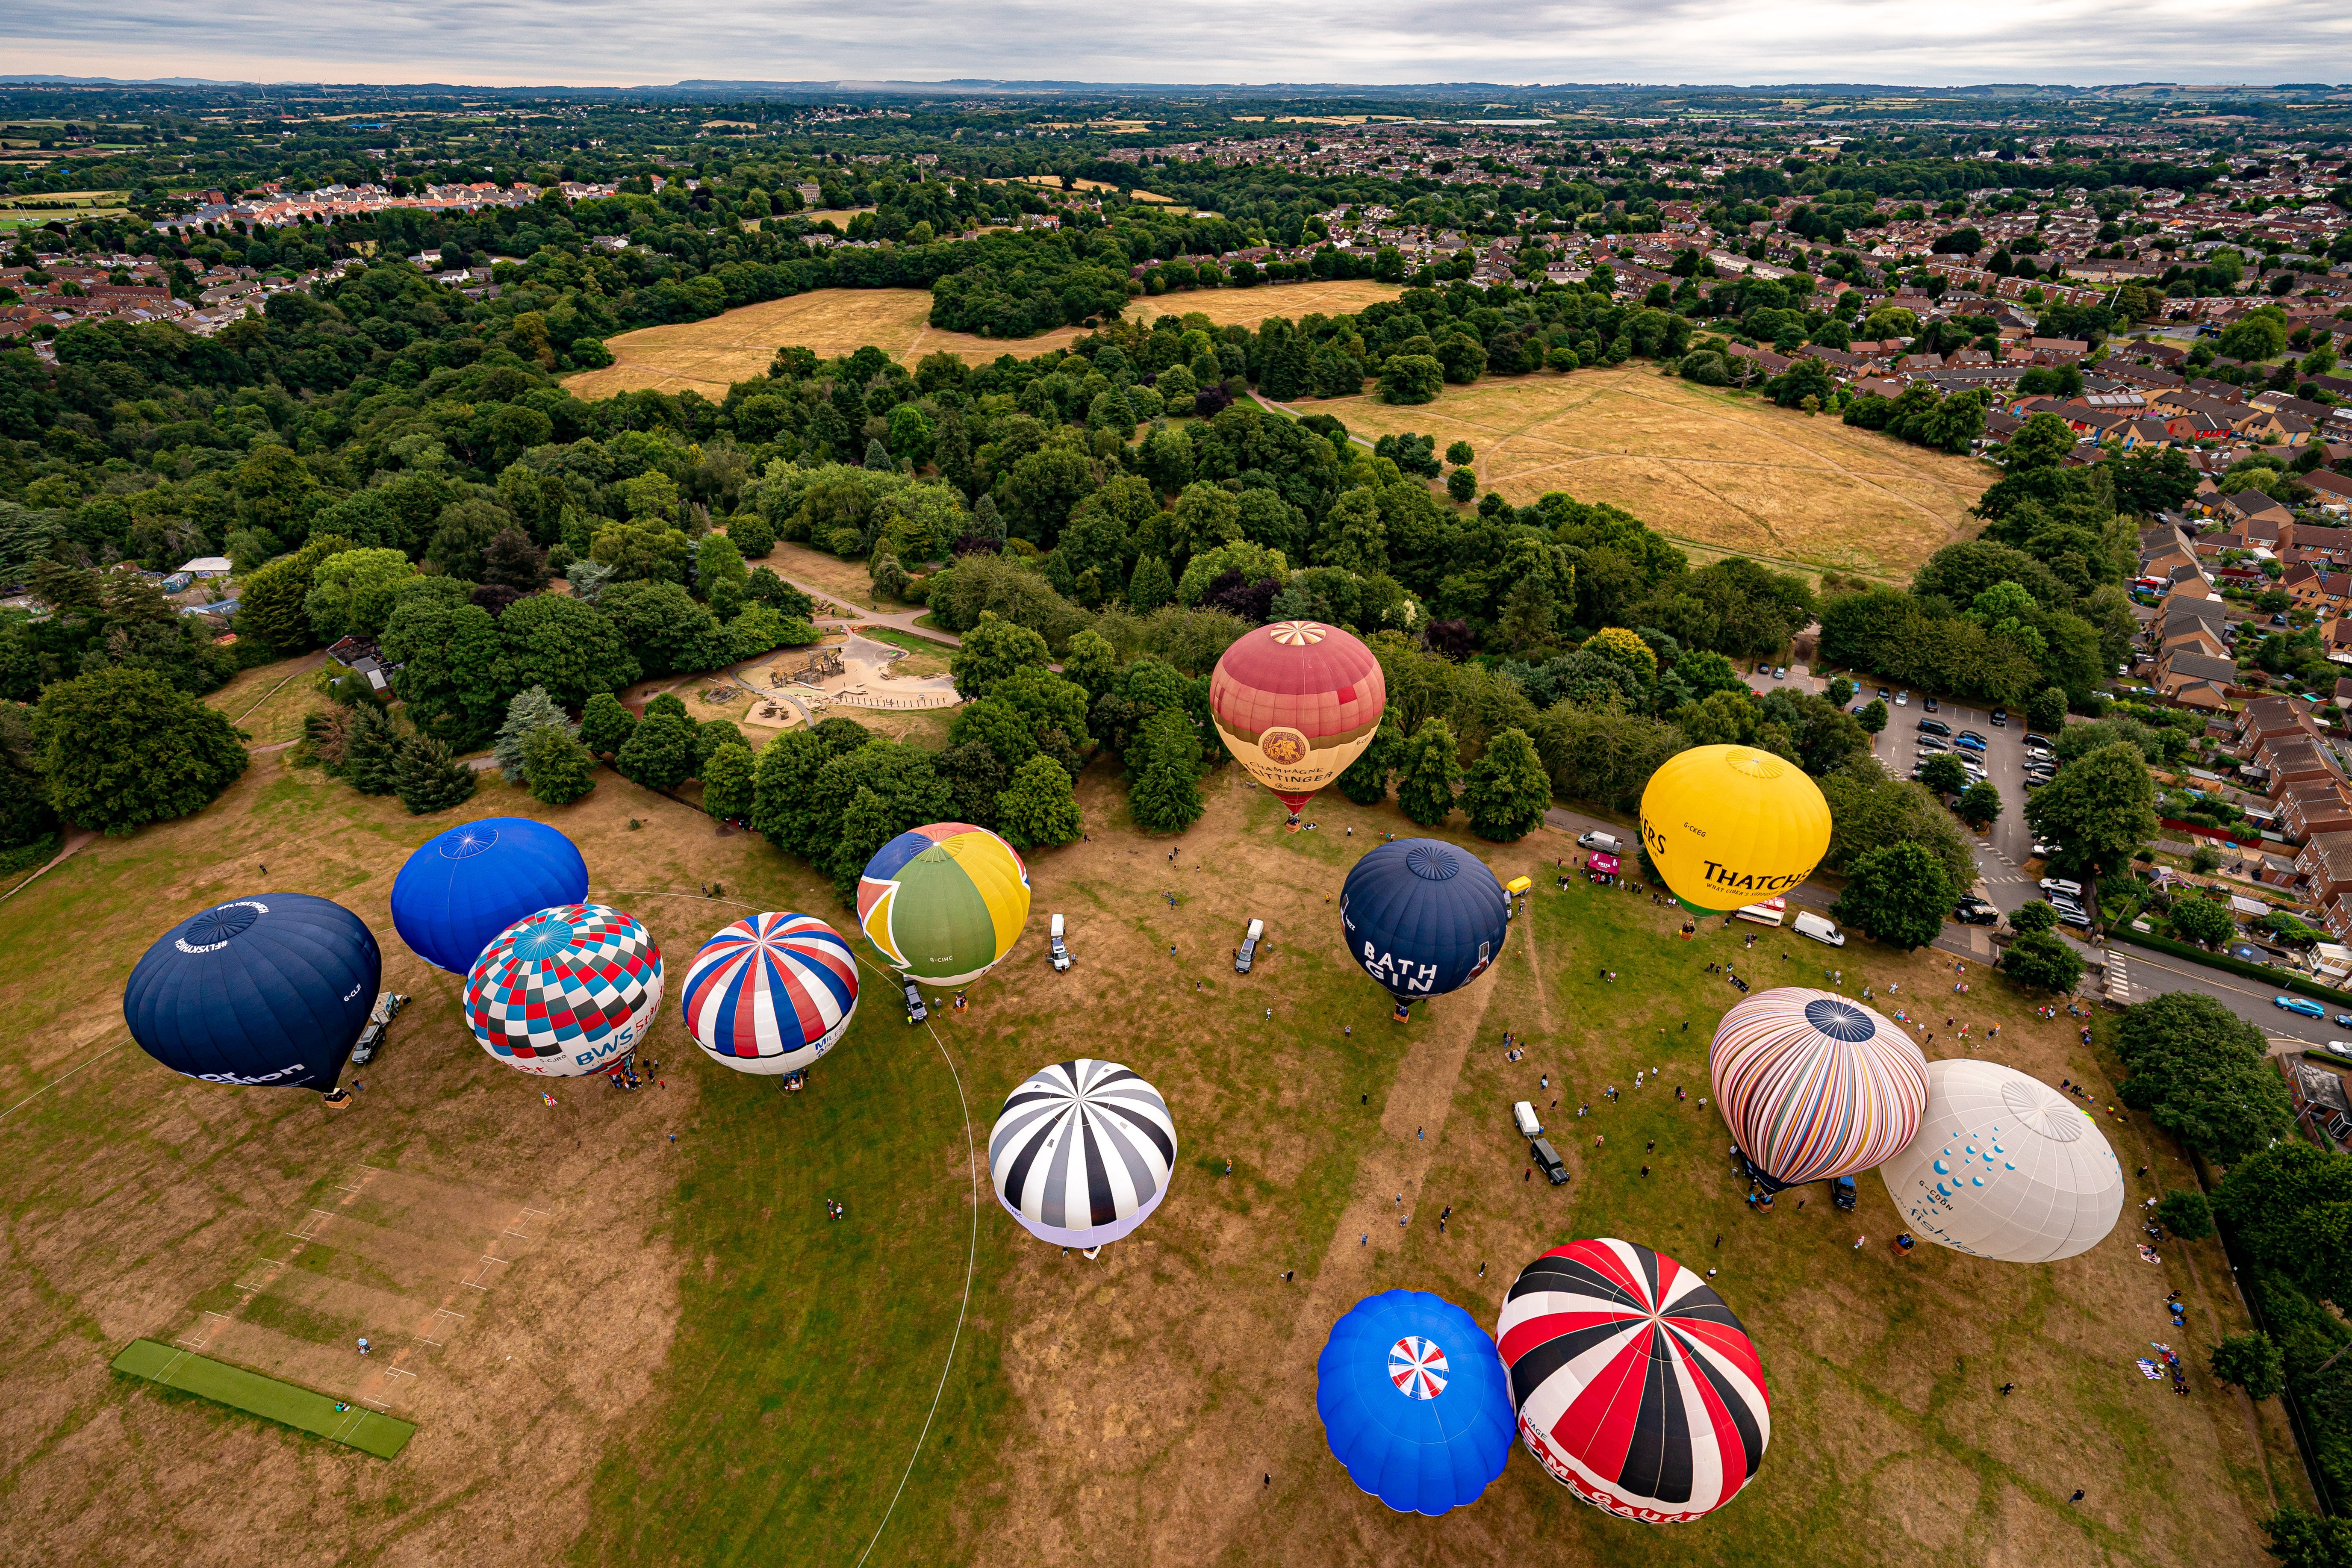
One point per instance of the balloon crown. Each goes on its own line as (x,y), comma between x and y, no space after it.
(1432,862)
(1755,764)
(468,843)
(1297,634)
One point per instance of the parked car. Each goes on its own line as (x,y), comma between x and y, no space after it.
(1779,672)
(1934,727)
(1596,839)
(2061,884)
(1932,745)
(2340,1048)
(916,1012)
(2345,1019)
(1548,1161)
(1975,911)
(1903,700)
(1969,739)
(2034,743)
(1930,702)
(1883,694)
(2001,718)
(2043,850)
(2302,1006)
(1248,954)
(2071,916)
(1060,954)
(1843,1195)
(2035,781)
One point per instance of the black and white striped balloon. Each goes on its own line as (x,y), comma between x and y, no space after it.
(1082,1152)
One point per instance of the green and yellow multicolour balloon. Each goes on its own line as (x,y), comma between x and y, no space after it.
(944,902)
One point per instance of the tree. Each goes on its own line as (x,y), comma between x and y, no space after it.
(636,551)
(1460,454)
(2290,1206)
(1872,718)
(2186,1215)
(453,671)
(2101,806)
(719,575)
(1365,781)
(730,780)
(2299,1539)
(1944,774)
(122,747)
(2201,919)
(993,649)
(2252,1361)
(1092,663)
(1978,805)
(1431,768)
(753,536)
(1408,378)
(572,649)
(371,751)
(272,601)
(2047,711)
(529,710)
(660,753)
(1507,791)
(1150,585)
(1166,795)
(1462,486)
(605,725)
(2038,916)
(559,767)
(427,780)
(1038,807)
(353,593)
(664,628)
(2202,1074)
(511,561)
(2043,960)
(1898,894)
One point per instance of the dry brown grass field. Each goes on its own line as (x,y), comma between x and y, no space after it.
(664,1353)
(1734,474)
(710,356)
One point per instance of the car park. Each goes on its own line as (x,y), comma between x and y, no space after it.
(1934,727)
(2302,1006)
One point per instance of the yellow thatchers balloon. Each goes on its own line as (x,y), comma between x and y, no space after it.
(1727,825)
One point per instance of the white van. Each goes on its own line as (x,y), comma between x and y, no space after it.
(1808,923)
(1604,842)
(1053,941)
(1523,1115)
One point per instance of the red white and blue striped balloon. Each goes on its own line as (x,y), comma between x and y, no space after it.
(1814,1084)
(771,993)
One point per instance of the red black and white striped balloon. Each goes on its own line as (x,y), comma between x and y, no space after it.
(771,993)
(1634,1384)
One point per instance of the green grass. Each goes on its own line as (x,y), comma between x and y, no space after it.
(354,1425)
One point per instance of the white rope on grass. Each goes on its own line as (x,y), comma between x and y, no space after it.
(60,1078)
(971,1253)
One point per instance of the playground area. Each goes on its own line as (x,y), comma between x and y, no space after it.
(798,687)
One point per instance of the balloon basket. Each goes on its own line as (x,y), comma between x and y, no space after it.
(1090,1253)
(1403,1014)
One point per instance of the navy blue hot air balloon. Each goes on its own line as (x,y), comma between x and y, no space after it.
(1423,918)
(462,888)
(271,990)
(1415,1402)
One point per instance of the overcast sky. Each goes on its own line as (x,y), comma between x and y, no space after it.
(614,43)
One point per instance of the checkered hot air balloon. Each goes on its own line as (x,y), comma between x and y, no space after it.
(944,902)
(771,993)
(1633,1383)
(1295,702)
(1082,1152)
(1815,1085)
(566,992)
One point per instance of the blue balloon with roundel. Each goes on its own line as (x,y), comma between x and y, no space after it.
(566,992)
(1415,1402)
(463,887)
(771,993)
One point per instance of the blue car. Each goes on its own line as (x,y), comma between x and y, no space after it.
(1968,741)
(2302,1005)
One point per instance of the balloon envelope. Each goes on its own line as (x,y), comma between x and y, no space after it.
(771,993)
(2005,1167)
(1633,1383)
(461,888)
(566,991)
(944,902)
(1815,1085)
(273,989)
(1295,702)
(1727,825)
(1413,1402)
(1423,917)
(1082,1152)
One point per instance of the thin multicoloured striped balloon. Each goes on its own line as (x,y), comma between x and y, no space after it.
(771,993)
(1814,1084)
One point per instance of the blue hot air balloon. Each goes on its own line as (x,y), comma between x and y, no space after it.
(269,990)
(463,887)
(1423,918)
(1415,1402)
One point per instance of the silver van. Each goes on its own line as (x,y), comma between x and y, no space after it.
(1523,1115)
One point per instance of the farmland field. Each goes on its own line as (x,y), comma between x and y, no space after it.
(709,356)
(1729,473)
(621,1350)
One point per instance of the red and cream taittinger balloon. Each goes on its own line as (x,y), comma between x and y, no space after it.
(1296,701)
